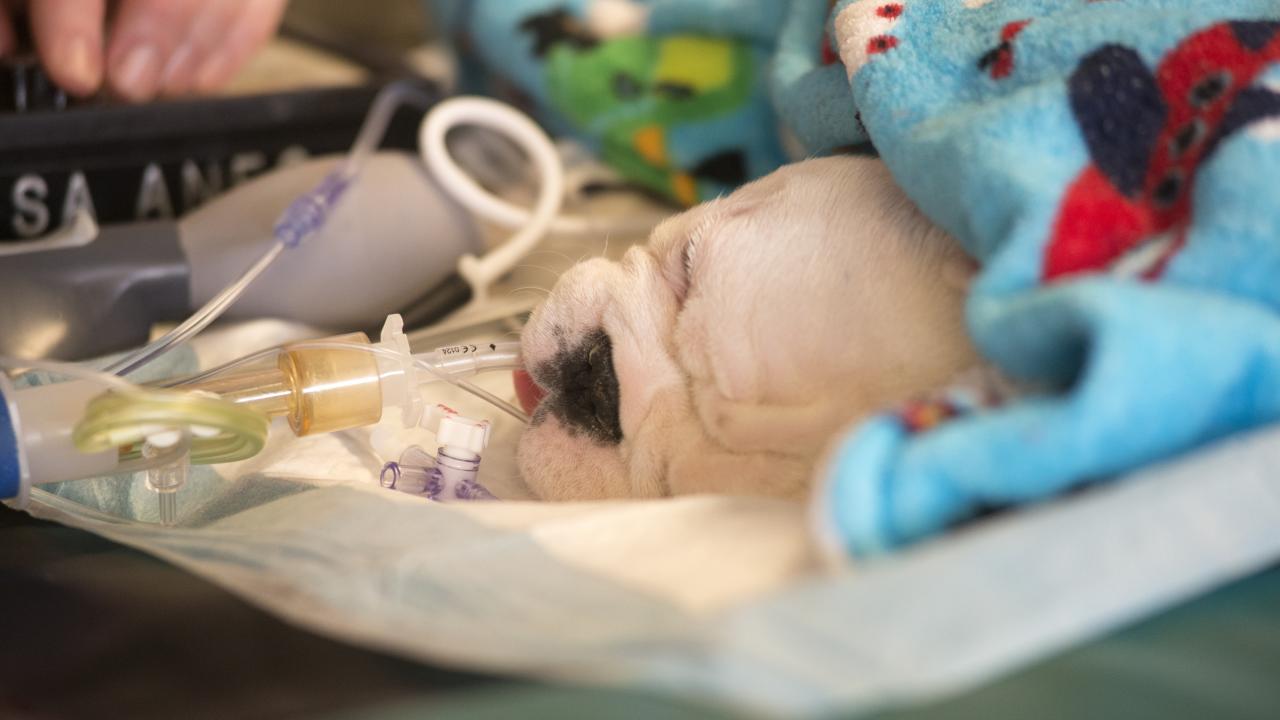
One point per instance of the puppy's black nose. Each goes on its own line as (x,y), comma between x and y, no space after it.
(585,394)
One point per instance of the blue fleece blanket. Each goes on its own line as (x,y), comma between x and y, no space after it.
(1115,167)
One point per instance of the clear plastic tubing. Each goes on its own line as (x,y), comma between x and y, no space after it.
(457,361)
(168,478)
(447,364)
(303,218)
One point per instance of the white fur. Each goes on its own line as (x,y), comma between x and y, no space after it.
(812,298)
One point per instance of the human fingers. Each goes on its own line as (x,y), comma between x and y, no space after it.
(252,24)
(68,39)
(8,39)
(147,36)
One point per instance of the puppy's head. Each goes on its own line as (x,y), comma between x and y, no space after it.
(723,355)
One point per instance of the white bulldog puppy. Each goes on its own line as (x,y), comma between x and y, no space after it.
(726,353)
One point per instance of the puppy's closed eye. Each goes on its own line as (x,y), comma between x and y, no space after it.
(680,263)
(682,244)
(690,255)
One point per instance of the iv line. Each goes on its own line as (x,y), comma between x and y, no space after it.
(303,218)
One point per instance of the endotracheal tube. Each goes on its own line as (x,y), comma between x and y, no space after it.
(346,382)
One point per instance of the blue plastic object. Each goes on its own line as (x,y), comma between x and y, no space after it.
(10,462)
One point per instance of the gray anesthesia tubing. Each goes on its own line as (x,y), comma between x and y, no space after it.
(100,298)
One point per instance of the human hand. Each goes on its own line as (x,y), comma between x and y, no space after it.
(148,48)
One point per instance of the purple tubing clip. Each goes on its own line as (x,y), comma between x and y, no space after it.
(443,478)
(390,475)
(306,215)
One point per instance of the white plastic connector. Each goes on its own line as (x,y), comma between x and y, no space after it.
(460,435)
(457,433)
(399,376)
